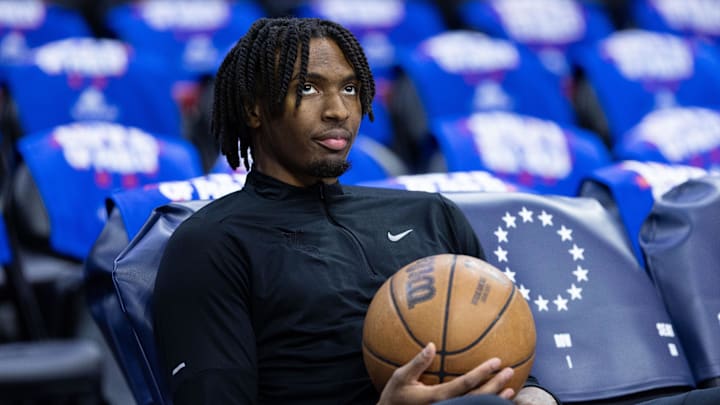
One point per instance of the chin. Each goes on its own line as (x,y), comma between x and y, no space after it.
(329,168)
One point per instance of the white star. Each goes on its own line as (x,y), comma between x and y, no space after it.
(545,218)
(525,292)
(541,303)
(575,292)
(565,233)
(509,220)
(560,303)
(581,274)
(577,253)
(526,214)
(501,254)
(501,235)
(510,274)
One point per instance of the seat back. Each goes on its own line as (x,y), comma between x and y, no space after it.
(28,24)
(535,153)
(128,211)
(452,182)
(90,79)
(679,239)
(191,36)
(481,73)
(75,167)
(693,18)
(649,71)
(602,330)
(554,29)
(680,135)
(134,280)
(629,189)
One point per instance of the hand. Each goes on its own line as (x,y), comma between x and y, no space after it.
(404,387)
(533,396)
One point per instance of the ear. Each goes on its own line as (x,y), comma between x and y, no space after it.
(253,114)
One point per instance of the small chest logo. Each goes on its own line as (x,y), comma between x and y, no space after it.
(397,237)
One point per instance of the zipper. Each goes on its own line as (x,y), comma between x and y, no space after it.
(348,232)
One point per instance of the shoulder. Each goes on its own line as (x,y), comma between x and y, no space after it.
(392,194)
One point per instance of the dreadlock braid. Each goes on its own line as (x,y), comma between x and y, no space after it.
(256,72)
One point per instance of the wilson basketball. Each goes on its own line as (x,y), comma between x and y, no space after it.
(469,309)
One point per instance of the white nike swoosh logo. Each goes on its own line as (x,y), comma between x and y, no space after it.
(395,238)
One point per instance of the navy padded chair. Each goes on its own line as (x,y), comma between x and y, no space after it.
(191,36)
(91,79)
(28,24)
(695,18)
(633,72)
(535,153)
(127,211)
(681,135)
(679,239)
(603,333)
(596,310)
(629,189)
(554,29)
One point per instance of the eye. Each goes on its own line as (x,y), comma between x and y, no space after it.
(307,88)
(350,89)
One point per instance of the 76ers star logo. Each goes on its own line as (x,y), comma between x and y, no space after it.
(546,229)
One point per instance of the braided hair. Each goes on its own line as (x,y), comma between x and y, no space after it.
(259,68)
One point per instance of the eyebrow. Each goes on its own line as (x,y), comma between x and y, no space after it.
(321,78)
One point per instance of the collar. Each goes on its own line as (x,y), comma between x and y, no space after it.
(274,189)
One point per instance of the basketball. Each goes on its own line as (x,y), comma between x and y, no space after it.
(469,309)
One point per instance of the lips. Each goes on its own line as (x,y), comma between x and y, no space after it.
(335,139)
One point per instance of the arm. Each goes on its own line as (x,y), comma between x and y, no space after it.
(203,331)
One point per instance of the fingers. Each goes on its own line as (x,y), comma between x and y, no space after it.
(480,380)
(411,371)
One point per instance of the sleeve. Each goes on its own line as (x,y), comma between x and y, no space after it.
(203,329)
(465,238)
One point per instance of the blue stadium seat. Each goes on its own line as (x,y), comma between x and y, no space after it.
(27,24)
(680,135)
(554,29)
(448,182)
(693,18)
(590,293)
(679,240)
(633,72)
(603,332)
(630,188)
(88,79)
(371,160)
(75,167)
(537,154)
(191,36)
(460,72)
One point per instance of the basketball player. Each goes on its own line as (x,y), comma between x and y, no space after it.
(261,295)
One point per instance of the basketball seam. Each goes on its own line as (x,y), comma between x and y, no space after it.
(391,363)
(490,327)
(393,300)
(443,351)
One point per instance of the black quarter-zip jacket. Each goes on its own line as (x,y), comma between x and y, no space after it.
(261,295)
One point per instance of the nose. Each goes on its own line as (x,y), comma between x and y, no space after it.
(336,108)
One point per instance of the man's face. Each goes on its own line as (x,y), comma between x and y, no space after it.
(312,142)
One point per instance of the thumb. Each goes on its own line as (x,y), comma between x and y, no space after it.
(414,368)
